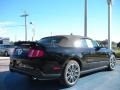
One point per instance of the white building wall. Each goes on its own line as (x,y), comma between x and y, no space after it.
(5,41)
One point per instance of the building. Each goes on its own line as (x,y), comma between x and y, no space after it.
(4,41)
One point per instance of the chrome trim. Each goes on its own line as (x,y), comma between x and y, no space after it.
(91,70)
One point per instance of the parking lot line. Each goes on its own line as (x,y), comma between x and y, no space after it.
(4,58)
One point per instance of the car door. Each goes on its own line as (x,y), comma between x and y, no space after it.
(1,49)
(96,57)
(86,49)
(102,54)
(83,51)
(92,55)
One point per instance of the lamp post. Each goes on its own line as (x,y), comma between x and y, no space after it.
(33,31)
(25,16)
(109,2)
(85,19)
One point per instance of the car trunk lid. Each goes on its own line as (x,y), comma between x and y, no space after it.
(27,49)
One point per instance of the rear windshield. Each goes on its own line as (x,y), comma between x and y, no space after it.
(49,40)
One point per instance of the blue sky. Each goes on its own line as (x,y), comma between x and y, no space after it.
(58,17)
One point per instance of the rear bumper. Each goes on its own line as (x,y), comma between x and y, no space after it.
(35,73)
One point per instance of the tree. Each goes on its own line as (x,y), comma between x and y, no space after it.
(118,45)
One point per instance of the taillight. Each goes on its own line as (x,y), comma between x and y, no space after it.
(35,53)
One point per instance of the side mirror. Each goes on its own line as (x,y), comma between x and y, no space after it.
(98,48)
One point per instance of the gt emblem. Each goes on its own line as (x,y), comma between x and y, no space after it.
(19,51)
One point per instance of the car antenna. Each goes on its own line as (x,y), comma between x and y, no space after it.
(71,34)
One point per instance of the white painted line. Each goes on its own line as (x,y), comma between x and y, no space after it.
(4,57)
(4,69)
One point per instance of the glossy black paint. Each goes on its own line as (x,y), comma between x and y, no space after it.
(56,55)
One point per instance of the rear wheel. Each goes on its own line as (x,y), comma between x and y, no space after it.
(6,53)
(112,63)
(70,74)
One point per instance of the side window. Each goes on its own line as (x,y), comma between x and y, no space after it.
(89,43)
(80,43)
(95,44)
(77,43)
(84,44)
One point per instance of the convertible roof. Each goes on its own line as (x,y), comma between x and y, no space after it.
(68,36)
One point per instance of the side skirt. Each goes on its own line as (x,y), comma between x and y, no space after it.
(92,70)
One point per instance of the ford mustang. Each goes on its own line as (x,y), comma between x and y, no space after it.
(62,57)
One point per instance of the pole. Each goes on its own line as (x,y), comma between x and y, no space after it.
(25,16)
(85,19)
(109,23)
(33,30)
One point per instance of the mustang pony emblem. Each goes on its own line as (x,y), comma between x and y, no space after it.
(19,51)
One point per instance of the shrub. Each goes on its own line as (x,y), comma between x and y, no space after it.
(117,54)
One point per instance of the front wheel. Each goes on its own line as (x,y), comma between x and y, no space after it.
(71,73)
(112,63)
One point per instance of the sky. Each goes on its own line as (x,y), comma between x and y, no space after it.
(58,17)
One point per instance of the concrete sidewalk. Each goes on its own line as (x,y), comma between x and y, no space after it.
(118,61)
(4,58)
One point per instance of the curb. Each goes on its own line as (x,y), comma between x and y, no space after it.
(4,58)
(118,58)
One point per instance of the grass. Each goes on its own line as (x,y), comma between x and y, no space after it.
(117,52)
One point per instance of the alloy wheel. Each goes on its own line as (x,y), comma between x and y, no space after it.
(112,62)
(72,72)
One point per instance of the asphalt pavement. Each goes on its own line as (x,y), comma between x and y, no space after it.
(100,80)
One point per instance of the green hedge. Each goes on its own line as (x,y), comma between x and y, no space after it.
(117,54)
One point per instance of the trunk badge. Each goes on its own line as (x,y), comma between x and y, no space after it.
(19,51)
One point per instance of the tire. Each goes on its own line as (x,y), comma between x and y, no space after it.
(11,70)
(6,53)
(71,73)
(112,63)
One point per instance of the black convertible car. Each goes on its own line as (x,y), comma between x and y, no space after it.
(62,57)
